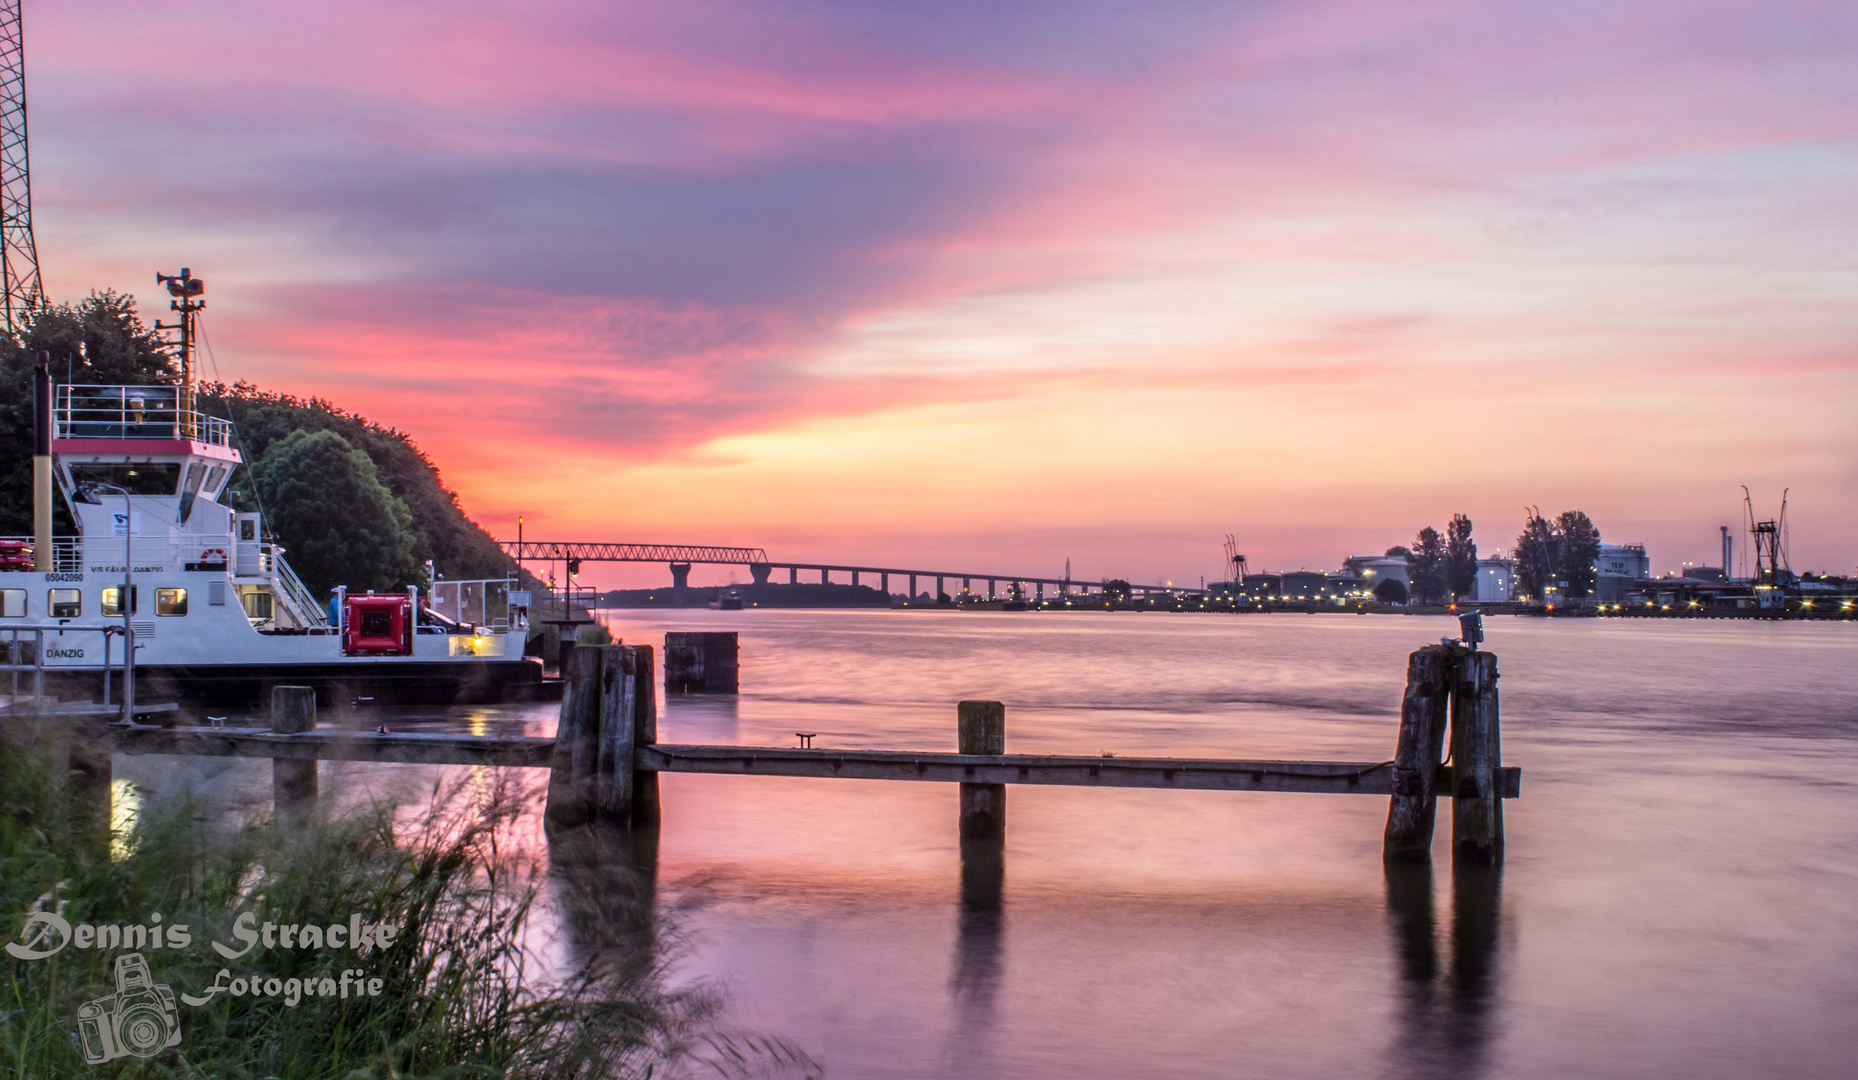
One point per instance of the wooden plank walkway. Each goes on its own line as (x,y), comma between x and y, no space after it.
(446,748)
(605,759)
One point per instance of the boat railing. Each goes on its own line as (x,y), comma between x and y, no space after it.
(67,554)
(483,602)
(305,610)
(76,554)
(135,412)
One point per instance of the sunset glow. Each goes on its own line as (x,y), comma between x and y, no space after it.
(993,286)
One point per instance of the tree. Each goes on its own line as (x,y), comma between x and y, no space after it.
(1397,552)
(1460,557)
(100,340)
(1580,551)
(442,532)
(1425,566)
(325,504)
(1390,591)
(1535,556)
(1561,552)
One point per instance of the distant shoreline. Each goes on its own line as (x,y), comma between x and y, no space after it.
(830,596)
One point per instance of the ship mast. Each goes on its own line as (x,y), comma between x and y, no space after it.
(185,288)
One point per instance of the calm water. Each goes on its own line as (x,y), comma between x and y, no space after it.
(1679,896)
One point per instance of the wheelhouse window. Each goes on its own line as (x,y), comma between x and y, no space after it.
(66,603)
(12,603)
(170,601)
(113,600)
(143,479)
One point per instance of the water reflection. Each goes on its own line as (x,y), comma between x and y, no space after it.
(713,719)
(978,946)
(605,880)
(1444,1025)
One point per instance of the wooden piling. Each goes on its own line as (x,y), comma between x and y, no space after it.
(981,729)
(573,785)
(608,710)
(627,795)
(1477,756)
(293,780)
(645,810)
(1410,813)
(702,662)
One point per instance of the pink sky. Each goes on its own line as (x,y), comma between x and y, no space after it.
(992,286)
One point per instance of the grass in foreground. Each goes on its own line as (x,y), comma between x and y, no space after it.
(463,990)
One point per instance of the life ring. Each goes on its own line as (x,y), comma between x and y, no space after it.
(213,555)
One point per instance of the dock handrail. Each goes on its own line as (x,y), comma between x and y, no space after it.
(11,638)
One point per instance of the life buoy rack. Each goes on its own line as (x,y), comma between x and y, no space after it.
(213,555)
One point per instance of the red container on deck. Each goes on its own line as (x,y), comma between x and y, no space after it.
(15,555)
(378,626)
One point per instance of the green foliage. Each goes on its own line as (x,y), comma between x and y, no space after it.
(464,994)
(1397,552)
(338,524)
(101,339)
(1390,591)
(1580,551)
(458,547)
(1460,557)
(1425,566)
(1559,552)
(1534,554)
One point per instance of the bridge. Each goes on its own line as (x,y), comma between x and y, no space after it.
(680,558)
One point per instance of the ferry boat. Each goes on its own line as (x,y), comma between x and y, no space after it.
(211,608)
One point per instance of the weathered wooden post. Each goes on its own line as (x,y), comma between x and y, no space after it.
(1477,757)
(609,708)
(1410,813)
(705,662)
(627,795)
(644,733)
(981,729)
(293,780)
(572,776)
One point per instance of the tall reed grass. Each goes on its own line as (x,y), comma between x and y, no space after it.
(473,985)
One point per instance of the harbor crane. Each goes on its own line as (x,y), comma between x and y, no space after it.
(1236,561)
(1770,541)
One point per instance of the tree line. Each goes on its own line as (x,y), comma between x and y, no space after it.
(1560,552)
